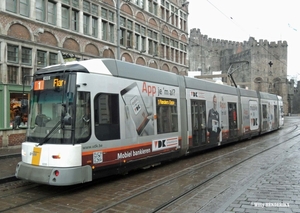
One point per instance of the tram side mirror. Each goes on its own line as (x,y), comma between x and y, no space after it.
(67,119)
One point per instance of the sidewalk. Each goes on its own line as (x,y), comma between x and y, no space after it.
(277,190)
(10,150)
(8,164)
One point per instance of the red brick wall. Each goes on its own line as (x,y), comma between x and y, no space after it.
(19,31)
(16,139)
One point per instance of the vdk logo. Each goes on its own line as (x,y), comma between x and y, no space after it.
(164,143)
(160,143)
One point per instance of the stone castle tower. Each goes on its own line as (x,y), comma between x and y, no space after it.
(257,65)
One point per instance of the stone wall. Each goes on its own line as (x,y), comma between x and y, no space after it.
(257,65)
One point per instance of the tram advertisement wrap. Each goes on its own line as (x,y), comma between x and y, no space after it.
(140,110)
(254,119)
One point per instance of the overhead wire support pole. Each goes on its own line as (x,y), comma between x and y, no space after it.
(229,73)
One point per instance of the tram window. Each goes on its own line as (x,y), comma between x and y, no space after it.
(281,111)
(107,122)
(265,113)
(167,116)
(83,117)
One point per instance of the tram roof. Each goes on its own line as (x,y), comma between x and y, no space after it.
(138,72)
(268,96)
(74,67)
(248,93)
(200,84)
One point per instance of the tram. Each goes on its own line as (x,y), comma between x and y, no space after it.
(99,117)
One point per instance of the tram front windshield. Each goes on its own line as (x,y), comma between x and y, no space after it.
(52,117)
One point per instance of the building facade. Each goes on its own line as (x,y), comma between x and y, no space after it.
(33,33)
(257,65)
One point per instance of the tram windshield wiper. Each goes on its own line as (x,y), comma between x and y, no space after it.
(50,132)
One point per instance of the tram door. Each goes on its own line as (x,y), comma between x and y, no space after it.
(275,117)
(232,120)
(264,117)
(198,122)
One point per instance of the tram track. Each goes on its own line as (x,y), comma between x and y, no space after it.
(26,193)
(29,194)
(195,187)
(190,171)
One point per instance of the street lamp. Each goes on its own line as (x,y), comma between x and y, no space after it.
(167,21)
(118,28)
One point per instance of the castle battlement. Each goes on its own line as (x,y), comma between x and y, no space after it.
(272,43)
(204,40)
(196,36)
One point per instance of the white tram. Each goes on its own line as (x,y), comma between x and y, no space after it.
(100,117)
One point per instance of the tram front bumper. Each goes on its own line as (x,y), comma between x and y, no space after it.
(54,175)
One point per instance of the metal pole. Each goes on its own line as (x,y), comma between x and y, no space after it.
(118,30)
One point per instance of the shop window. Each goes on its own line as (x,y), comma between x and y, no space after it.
(18,110)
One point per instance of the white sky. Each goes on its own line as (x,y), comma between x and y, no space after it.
(237,20)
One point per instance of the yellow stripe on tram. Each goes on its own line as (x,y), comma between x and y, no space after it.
(36,156)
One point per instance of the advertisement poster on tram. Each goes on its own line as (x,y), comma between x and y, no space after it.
(214,121)
(149,104)
(254,115)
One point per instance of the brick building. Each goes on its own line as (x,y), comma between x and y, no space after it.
(257,65)
(32,32)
